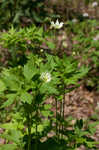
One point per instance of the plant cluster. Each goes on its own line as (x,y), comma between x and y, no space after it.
(20,43)
(26,12)
(85,45)
(25,86)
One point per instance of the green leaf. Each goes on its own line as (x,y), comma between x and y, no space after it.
(12,135)
(47,106)
(8,147)
(40,31)
(29,71)
(9,126)
(2,86)
(12,81)
(90,144)
(17,16)
(11,98)
(26,97)
(50,45)
(36,17)
(46,113)
(40,128)
(48,89)
(80,140)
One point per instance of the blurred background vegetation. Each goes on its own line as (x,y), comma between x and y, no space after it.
(26,12)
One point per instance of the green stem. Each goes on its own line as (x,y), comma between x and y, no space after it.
(56,117)
(63,107)
(29,132)
(36,140)
(60,117)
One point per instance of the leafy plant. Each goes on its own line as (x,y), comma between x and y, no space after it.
(85,47)
(31,78)
(19,43)
(28,87)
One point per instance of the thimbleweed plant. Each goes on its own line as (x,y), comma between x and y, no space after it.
(29,86)
(25,89)
(85,46)
(68,73)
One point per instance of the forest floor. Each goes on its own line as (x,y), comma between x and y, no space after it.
(82,104)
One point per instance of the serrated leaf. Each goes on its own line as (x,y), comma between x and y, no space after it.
(80,140)
(47,106)
(48,89)
(17,16)
(46,113)
(12,82)
(8,147)
(40,128)
(11,98)
(46,123)
(36,17)
(2,86)
(8,126)
(90,144)
(12,135)
(26,97)
(50,45)
(40,32)
(29,71)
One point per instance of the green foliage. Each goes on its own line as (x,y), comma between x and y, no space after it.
(21,13)
(21,42)
(8,147)
(80,136)
(2,86)
(34,76)
(26,88)
(86,48)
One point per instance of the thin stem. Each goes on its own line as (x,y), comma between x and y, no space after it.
(60,117)
(57,123)
(56,119)
(29,132)
(36,142)
(63,108)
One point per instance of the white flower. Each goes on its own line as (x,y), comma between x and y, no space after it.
(96,37)
(74,20)
(97,105)
(45,76)
(94,4)
(85,15)
(65,45)
(56,25)
(41,50)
